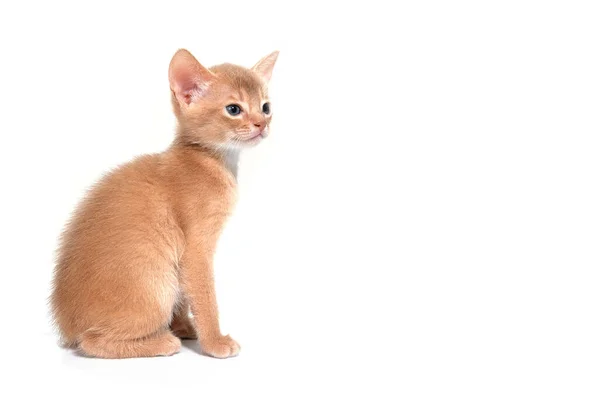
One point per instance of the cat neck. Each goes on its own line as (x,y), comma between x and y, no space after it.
(231,158)
(228,156)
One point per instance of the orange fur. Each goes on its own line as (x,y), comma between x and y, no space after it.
(136,256)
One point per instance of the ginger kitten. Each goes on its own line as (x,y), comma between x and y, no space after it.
(137,255)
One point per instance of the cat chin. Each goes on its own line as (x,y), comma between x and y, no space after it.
(253,141)
(239,143)
(245,144)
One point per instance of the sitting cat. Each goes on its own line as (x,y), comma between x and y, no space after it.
(136,257)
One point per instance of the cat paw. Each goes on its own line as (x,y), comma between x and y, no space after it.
(172,345)
(221,347)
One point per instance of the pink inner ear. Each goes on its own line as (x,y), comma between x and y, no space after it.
(186,86)
(188,89)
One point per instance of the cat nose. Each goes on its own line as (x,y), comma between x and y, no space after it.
(259,124)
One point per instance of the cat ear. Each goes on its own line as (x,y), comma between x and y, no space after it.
(264,68)
(187,77)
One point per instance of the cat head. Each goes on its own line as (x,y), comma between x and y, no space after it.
(225,106)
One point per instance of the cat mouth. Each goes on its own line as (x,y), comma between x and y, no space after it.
(254,137)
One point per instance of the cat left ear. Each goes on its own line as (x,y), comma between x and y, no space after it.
(264,68)
(187,77)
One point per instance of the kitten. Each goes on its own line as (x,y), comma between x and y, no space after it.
(137,255)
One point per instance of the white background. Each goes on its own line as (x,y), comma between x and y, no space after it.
(423,223)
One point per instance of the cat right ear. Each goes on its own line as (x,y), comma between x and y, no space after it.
(188,78)
(264,68)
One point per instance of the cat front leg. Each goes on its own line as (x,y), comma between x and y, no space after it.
(197,279)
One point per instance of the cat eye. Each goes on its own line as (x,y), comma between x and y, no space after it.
(233,109)
(266,108)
